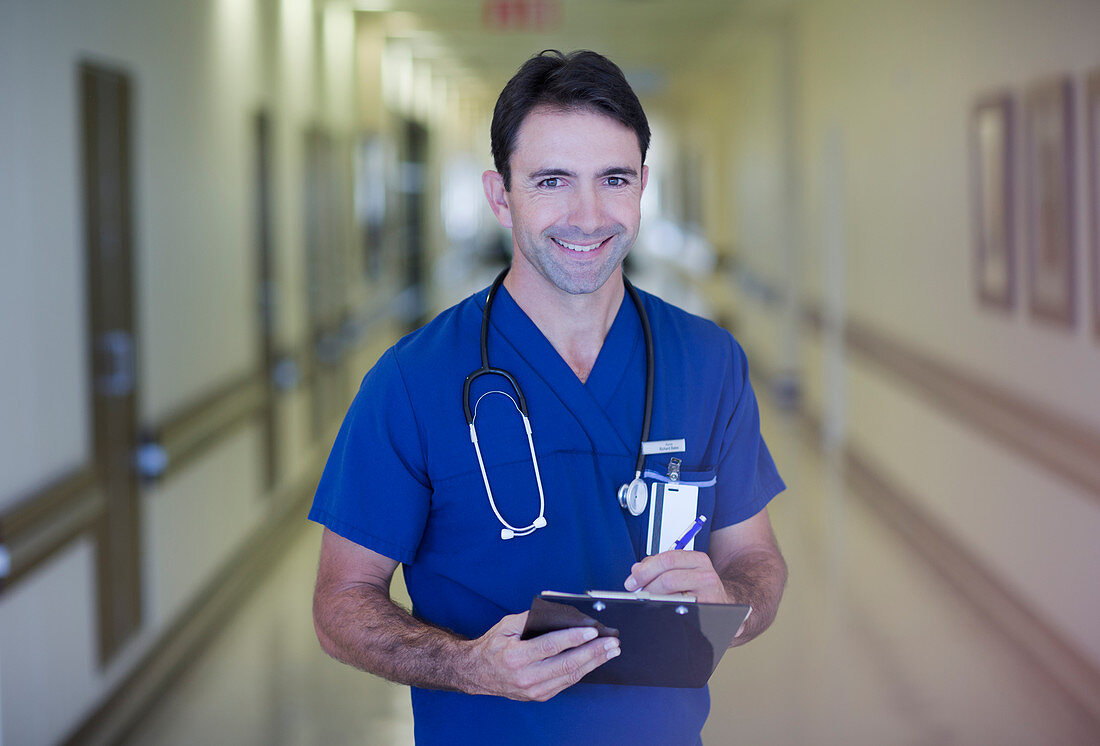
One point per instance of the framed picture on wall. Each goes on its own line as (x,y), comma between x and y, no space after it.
(1049,200)
(1092,121)
(991,179)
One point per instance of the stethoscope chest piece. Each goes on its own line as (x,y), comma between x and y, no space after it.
(633,497)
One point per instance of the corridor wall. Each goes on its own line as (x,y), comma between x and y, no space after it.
(201,72)
(985,418)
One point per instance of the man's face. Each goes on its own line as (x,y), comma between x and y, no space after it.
(574,205)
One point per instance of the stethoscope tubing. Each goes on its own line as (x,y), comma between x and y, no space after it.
(521,404)
(511,530)
(647,334)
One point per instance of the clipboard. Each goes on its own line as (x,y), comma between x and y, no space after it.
(670,641)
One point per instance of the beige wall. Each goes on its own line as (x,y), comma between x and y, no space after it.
(201,70)
(883,100)
(898,82)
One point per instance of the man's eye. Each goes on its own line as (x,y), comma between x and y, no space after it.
(550,183)
(616,181)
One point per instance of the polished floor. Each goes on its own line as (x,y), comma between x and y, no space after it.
(870,647)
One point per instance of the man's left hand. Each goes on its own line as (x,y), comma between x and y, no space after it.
(679,571)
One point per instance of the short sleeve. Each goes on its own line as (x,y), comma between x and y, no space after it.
(747,479)
(374,489)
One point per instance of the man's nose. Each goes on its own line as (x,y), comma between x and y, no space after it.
(586,211)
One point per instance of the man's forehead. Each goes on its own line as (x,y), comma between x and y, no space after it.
(546,125)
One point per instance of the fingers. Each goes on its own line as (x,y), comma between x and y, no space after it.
(574,665)
(557,642)
(649,569)
(678,581)
(678,571)
(503,641)
(539,668)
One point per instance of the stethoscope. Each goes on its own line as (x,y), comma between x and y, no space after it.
(632,496)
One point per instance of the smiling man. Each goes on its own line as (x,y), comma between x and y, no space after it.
(434,468)
(573,204)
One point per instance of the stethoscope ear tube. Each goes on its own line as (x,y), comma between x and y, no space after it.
(521,403)
(632,496)
(508,531)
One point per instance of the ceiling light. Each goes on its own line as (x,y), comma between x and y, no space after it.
(373,6)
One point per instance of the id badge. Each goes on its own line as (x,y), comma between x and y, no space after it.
(673,510)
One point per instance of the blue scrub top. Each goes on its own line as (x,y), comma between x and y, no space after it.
(403,480)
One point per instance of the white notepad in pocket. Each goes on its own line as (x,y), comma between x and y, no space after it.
(672,512)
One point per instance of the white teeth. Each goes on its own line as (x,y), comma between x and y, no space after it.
(575,247)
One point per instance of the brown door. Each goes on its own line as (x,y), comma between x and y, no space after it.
(326,275)
(414,167)
(267,293)
(106,115)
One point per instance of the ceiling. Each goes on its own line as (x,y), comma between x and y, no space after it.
(484,41)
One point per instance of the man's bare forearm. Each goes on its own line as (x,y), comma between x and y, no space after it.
(757,578)
(361,626)
(357,623)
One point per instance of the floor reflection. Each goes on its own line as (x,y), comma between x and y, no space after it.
(265,681)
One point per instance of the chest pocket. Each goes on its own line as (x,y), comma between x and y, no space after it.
(705,480)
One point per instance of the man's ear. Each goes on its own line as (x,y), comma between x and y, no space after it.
(497,196)
(645,176)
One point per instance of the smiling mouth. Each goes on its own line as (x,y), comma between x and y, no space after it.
(579,248)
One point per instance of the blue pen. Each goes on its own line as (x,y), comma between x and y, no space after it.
(690,533)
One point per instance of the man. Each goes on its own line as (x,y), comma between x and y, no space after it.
(405,485)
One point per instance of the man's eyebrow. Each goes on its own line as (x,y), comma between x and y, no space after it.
(618,171)
(546,173)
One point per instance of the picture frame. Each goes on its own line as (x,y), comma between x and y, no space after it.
(1048,153)
(991,138)
(1092,122)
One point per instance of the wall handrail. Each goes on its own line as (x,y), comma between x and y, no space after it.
(1064,446)
(46,521)
(168,446)
(42,523)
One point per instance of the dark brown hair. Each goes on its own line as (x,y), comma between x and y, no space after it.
(581,80)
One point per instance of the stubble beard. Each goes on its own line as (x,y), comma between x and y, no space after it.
(578,280)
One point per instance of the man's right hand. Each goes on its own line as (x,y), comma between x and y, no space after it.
(358,623)
(504,665)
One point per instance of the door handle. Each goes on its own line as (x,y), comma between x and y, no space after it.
(117,350)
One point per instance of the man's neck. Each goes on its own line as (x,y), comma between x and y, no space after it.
(576,325)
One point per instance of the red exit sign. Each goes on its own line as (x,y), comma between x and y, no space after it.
(522,15)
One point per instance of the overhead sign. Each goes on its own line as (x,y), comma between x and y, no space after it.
(522,15)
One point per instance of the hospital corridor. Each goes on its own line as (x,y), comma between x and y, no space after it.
(216,216)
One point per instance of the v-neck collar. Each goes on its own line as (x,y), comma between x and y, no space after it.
(586,402)
(616,354)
